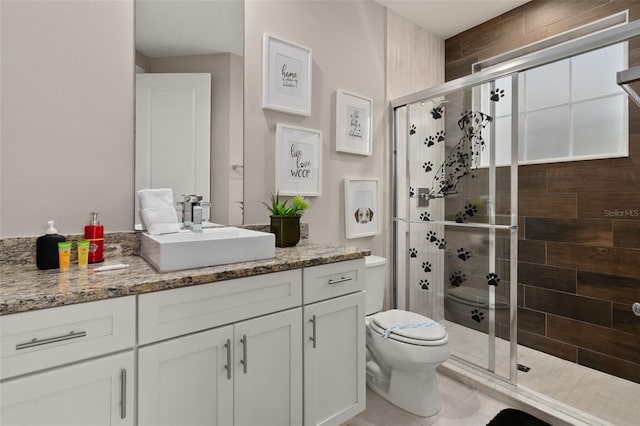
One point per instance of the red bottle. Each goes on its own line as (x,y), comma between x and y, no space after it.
(94,232)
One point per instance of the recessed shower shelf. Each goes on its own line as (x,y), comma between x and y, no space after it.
(453,223)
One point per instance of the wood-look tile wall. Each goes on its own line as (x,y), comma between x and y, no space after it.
(579,249)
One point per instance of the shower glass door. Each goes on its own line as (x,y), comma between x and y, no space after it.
(456,221)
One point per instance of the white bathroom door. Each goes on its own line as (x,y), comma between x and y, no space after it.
(173,142)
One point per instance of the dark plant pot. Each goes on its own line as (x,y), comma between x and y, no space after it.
(287,230)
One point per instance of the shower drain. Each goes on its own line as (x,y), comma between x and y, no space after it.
(523,368)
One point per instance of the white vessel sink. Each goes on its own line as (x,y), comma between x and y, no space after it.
(213,246)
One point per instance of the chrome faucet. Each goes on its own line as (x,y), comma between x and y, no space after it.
(191,206)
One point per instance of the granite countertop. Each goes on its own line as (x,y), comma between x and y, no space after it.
(25,288)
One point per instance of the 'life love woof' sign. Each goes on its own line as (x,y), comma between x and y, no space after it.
(301,166)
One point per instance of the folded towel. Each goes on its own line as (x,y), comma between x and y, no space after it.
(157,211)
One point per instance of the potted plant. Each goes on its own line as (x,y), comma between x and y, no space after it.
(285,219)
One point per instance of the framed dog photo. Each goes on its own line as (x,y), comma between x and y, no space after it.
(286,76)
(354,123)
(298,161)
(362,207)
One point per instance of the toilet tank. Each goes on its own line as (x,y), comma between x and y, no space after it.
(375,267)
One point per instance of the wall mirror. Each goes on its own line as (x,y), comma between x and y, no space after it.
(189,102)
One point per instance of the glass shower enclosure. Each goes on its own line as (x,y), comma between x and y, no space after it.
(456,217)
(455,154)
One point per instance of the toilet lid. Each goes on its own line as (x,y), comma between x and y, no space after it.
(408,326)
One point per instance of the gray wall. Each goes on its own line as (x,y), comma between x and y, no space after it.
(66,144)
(67,110)
(347,43)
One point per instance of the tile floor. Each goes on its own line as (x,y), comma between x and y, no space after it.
(606,397)
(601,396)
(461,406)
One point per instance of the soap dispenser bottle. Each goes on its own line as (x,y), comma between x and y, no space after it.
(47,248)
(94,232)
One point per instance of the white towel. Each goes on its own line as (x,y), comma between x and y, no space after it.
(158,213)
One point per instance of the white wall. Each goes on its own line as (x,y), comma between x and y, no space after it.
(66,143)
(347,43)
(66,77)
(226,125)
(415,61)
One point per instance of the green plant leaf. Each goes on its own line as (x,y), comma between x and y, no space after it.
(283,208)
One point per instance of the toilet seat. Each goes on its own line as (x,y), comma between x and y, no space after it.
(429,335)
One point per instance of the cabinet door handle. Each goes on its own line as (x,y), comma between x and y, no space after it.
(40,342)
(313,338)
(228,366)
(341,280)
(123,393)
(243,361)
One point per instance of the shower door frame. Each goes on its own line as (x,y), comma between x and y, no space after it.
(511,67)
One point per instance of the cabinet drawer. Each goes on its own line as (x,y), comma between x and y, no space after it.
(332,280)
(179,311)
(46,338)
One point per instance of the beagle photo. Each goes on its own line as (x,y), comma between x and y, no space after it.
(361,201)
(363,215)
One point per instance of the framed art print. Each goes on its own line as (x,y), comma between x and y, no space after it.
(298,161)
(286,76)
(353,123)
(362,207)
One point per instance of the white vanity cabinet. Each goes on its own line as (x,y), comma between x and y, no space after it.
(241,372)
(259,350)
(71,365)
(183,380)
(334,342)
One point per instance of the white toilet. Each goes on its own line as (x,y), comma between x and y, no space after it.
(403,349)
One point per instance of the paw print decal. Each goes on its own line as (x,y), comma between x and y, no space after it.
(457,278)
(412,130)
(477,316)
(442,244)
(412,191)
(413,252)
(496,95)
(436,113)
(427,166)
(470,210)
(424,284)
(492,279)
(463,254)
(432,140)
(425,216)
(426,266)
(432,237)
